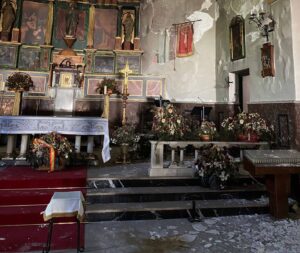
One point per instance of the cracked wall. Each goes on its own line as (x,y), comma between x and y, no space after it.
(194,77)
(280,88)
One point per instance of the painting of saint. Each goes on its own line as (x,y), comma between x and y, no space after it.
(34,23)
(237,38)
(105,28)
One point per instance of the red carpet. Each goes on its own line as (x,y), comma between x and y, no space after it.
(24,193)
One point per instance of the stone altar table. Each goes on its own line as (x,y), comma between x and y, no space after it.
(180,169)
(78,126)
(277,166)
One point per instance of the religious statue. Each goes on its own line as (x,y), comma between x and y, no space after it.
(71,19)
(8,15)
(128,25)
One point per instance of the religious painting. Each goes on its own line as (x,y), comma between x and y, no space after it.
(66,79)
(283,131)
(105,28)
(185,33)
(135,87)
(154,88)
(267,60)
(92,86)
(29,58)
(133,61)
(39,83)
(237,38)
(60,29)
(34,23)
(128,25)
(8,56)
(104,64)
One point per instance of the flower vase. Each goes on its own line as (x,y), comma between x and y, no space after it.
(205,137)
(253,137)
(124,153)
(242,137)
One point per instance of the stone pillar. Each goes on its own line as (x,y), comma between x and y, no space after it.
(77,144)
(23,148)
(90,145)
(10,147)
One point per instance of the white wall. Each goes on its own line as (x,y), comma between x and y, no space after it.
(270,89)
(194,77)
(295,8)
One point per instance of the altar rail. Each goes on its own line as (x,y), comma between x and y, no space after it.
(78,126)
(180,168)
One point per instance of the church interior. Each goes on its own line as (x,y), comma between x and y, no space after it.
(160,120)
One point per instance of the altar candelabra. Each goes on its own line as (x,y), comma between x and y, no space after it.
(125,71)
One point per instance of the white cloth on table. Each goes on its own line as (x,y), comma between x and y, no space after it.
(65,204)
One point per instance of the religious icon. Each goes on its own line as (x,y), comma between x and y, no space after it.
(65,80)
(185,33)
(237,38)
(128,29)
(8,15)
(267,60)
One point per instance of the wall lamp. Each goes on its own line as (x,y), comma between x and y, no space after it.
(265,22)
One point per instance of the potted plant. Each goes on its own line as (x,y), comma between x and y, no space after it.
(18,82)
(248,127)
(207,130)
(168,124)
(50,151)
(215,166)
(126,137)
(108,86)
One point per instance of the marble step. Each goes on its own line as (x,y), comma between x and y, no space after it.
(173,209)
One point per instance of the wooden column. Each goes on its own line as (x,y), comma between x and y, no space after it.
(90,36)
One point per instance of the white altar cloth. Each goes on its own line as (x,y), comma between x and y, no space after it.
(65,204)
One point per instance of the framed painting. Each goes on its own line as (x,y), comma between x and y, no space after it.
(8,56)
(29,58)
(154,88)
(66,79)
(267,60)
(133,61)
(92,87)
(34,22)
(104,64)
(105,28)
(237,38)
(40,84)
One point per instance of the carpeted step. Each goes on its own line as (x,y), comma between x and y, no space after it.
(34,237)
(27,177)
(28,196)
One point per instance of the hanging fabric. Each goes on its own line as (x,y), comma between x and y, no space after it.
(185,33)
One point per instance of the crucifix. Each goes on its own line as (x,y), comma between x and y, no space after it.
(125,71)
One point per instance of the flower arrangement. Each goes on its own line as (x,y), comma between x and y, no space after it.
(19,81)
(215,166)
(248,124)
(125,135)
(208,128)
(110,84)
(168,124)
(49,149)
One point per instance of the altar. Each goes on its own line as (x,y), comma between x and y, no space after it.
(78,126)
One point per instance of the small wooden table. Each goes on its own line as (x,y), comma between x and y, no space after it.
(64,204)
(277,166)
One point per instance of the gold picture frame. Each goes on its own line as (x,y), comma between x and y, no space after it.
(237,38)
(66,80)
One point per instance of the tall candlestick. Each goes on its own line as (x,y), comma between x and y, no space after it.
(105,90)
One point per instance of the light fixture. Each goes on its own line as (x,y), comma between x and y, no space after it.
(265,22)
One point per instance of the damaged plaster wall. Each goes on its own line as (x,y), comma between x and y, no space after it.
(194,77)
(295,7)
(270,89)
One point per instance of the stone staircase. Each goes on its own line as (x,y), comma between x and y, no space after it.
(166,198)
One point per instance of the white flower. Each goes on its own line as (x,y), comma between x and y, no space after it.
(163,120)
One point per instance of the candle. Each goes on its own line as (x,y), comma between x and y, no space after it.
(105,90)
